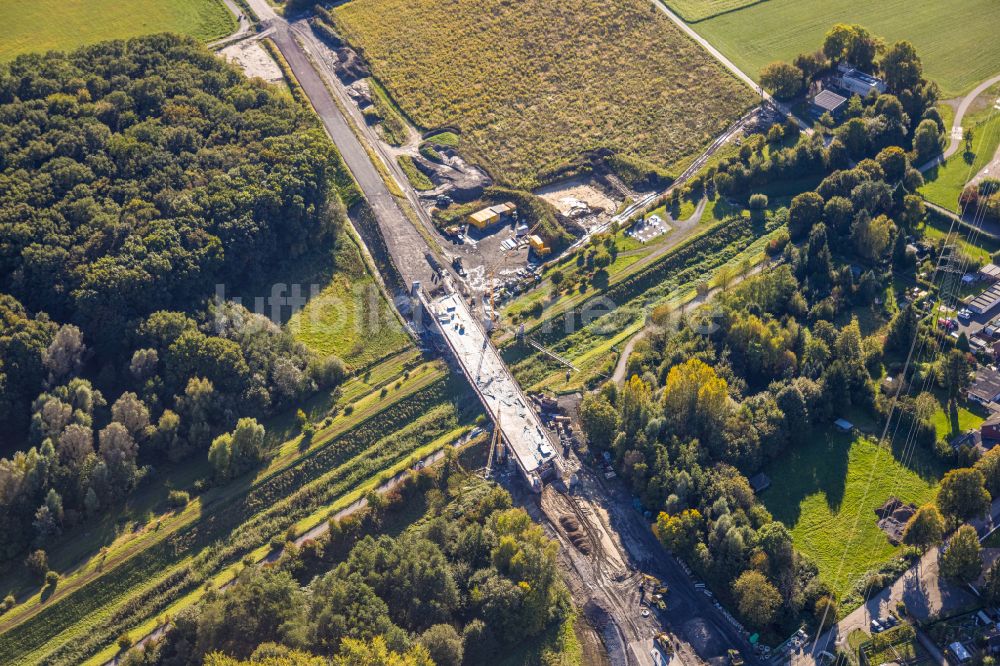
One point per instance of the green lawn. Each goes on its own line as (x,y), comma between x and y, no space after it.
(697,10)
(349,317)
(949,425)
(956,40)
(41,25)
(943,184)
(821,492)
(934,229)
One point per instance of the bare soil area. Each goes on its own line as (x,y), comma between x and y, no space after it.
(254,60)
(583,200)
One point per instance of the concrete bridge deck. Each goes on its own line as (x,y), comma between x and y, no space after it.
(499,392)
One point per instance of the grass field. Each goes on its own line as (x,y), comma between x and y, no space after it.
(41,25)
(955,40)
(349,317)
(533,85)
(821,492)
(698,10)
(944,184)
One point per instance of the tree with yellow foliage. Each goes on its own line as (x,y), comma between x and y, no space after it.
(696,400)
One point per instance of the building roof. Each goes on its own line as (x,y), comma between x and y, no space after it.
(991,271)
(484,215)
(987,300)
(829,100)
(843,424)
(860,76)
(986,386)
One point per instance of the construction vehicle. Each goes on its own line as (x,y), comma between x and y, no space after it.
(735,658)
(663,642)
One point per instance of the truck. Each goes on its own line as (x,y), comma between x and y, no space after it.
(663,642)
(735,658)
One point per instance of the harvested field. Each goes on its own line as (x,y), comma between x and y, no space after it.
(41,25)
(956,41)
(531,86)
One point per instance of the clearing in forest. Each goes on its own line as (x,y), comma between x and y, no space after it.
(826,492)
(533,85)
(42,25)
(956,40)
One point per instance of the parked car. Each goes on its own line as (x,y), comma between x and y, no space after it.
(877,627)
(965,313)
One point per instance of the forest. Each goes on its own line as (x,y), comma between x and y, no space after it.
(134,178)
(470,580)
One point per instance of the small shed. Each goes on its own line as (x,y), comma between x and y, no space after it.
(843,425)
(990,272)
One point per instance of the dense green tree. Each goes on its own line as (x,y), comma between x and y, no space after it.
(756,597)
(962,495)
(782,80)
(961,559)
(925,528)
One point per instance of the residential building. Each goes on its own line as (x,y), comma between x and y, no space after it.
(985,389)
(858,83)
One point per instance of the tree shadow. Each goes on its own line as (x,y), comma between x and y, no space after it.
(818,464)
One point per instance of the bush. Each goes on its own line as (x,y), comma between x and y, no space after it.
(178,499)
(8,602)
(38,564)
(124,642)
(52,578)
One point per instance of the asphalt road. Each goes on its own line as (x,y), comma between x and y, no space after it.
(956,126)
(407,247)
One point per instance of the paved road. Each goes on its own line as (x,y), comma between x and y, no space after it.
(915,586)
(956,126)
(242,29)
(622,366)
(407,247)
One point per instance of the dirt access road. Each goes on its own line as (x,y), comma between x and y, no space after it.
(408,249)
(607,546)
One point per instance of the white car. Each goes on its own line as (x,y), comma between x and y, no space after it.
(965,313)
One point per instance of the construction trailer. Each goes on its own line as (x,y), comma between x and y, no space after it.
(492,215)
(522,434)
(538,245)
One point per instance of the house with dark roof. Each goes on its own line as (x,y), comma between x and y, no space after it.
(986,388)
(989,431)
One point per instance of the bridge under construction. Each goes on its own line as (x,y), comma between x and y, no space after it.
(525,438)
